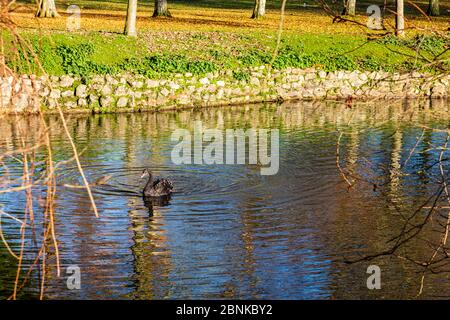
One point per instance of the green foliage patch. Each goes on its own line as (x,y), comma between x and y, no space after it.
(112,54)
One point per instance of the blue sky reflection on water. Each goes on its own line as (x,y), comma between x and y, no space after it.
(228,231)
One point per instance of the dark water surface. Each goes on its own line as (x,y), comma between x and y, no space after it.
(230,232)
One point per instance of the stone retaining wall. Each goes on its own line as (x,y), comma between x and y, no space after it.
(131,92)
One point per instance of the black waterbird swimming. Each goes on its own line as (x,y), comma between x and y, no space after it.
(157,188)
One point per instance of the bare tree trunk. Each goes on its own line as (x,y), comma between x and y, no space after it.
(400,19)
(433,8)
(46,9)
(130,24)
(260,9)
(161,9)
(349,7)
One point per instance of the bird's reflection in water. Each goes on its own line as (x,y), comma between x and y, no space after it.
(151,202)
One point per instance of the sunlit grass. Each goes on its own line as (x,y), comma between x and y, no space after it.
(109,16)
(215,31)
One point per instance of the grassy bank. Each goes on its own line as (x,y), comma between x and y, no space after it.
(205,36)
(157,54)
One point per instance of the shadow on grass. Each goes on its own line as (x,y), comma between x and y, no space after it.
(247,5)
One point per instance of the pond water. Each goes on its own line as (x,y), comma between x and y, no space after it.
(228,231)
